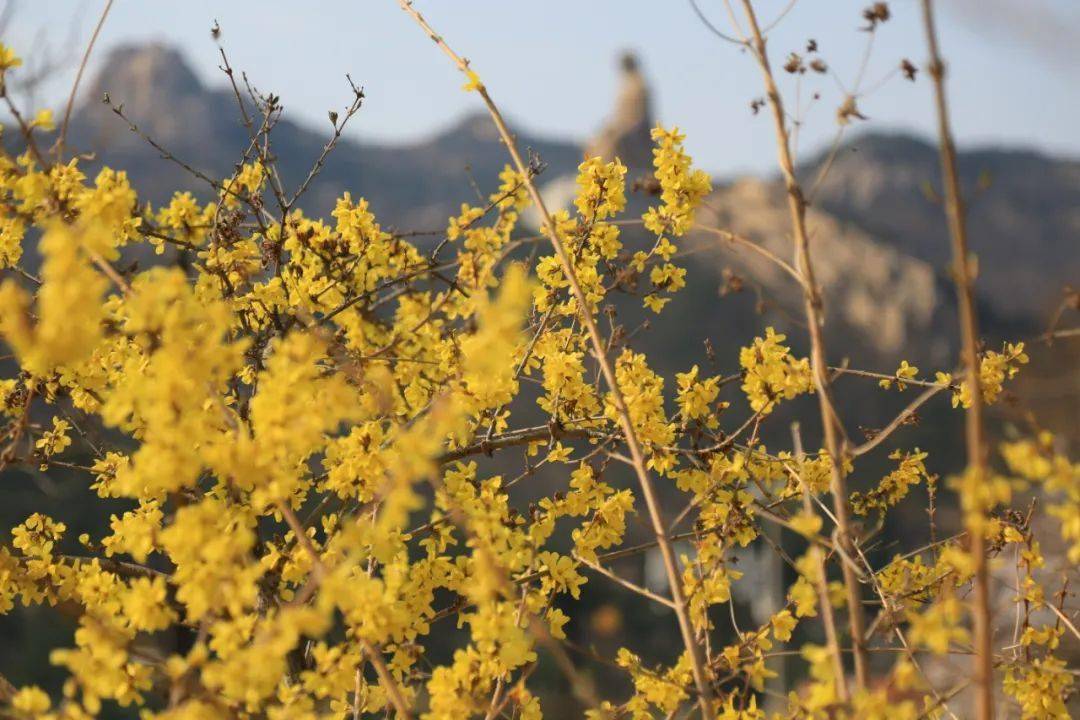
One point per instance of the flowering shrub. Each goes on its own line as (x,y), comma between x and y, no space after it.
(295,423)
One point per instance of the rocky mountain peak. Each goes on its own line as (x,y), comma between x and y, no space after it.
(162,95)
(145,77)
(625,134)
(1021,217)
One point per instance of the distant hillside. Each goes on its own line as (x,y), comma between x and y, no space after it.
(1024,218)
(415,186)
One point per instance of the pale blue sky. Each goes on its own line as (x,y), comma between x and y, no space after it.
(550,63)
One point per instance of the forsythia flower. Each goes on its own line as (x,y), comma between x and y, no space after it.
(994,369)
(893,487)
(69,308)
(696,397)
(601,189)
(12,232)
(783,623)
(8,58)
(43,120)
(473,83)
(489,371)
(54,441)
(37,535)
(1040,688)
(771,373)
(904,372)
(145,606)
(681,189)
(32,701)
(803,592)
(184,217)
(938,626)
(1036,460)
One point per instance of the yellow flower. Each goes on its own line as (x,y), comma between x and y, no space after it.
(938,626)
(8,59)
(904,372)
(893,487)
(782,624)
(473,83)
(145,604)
(681,189)
(994,369)
(37,535)
(43,120)
(806,523)
(771,373)
(31,700)
(601,189)
(53,442)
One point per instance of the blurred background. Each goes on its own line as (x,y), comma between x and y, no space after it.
(595,76)
(1012,63)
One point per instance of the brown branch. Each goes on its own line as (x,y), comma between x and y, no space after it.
(814,315)
(828,619)
(7,690)
(897,421)
(1064,619)
(524,436)
(619,580)
(737,239)
(883,376)
(339,127)
(969,327)
(109,271)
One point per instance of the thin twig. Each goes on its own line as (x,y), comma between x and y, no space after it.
(897,422)
(624,582)
(828,619)
(78,78)
(813,305)
(969,327)
(731,237)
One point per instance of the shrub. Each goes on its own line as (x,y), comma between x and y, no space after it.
(294,424)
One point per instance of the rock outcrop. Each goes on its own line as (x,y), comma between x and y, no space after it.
(625,134)
(1023,219)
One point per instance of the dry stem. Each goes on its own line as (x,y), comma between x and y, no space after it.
(827,617)
(969,328)
(819,366)
(78,78)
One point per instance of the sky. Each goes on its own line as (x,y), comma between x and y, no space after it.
(550,64)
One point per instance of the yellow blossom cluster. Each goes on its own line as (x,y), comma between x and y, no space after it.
(772,373)
(894,487)
(994,369)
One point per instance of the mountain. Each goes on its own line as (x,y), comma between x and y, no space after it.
(416,186)
(1023,220)
(877,231)
(876,294)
